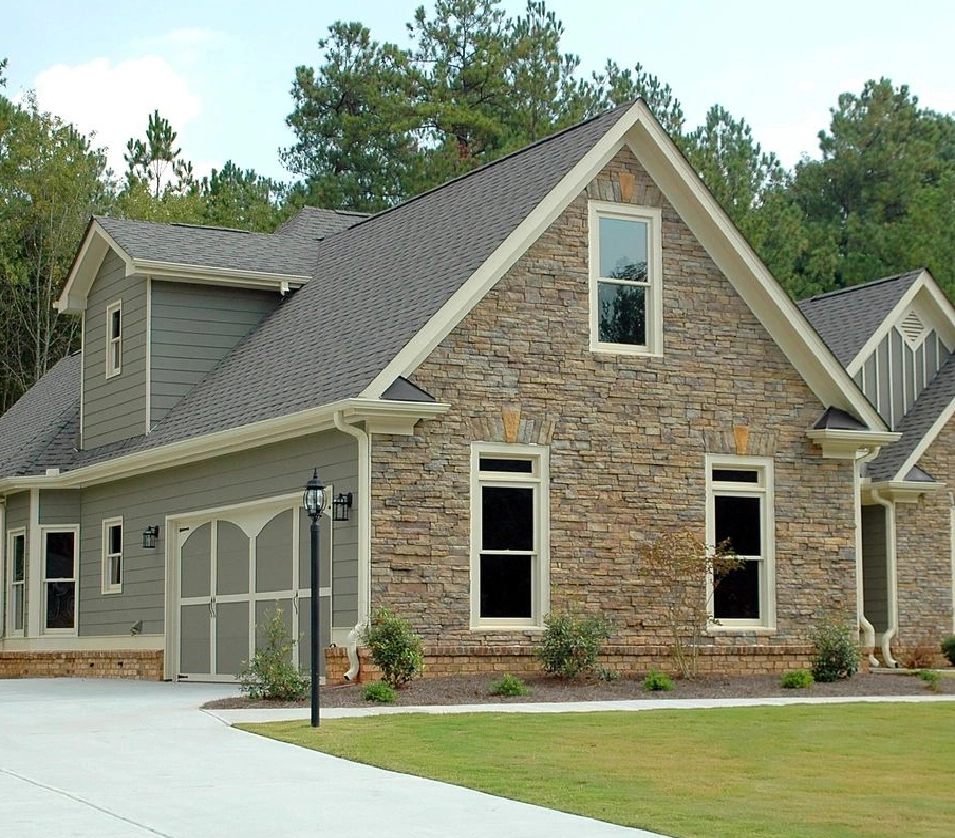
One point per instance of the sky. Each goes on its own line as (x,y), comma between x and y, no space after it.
(221,71)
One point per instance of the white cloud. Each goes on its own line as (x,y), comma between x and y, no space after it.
(115,101)
(188,44)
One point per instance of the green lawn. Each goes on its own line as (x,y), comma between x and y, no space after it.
(806,771)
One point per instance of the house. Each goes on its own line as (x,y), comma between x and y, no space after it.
(517,379)
(895,337)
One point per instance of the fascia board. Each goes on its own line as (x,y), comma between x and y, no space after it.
(927,439)
(790,329)
(397,417)
(925,287)
(900,491)
(508,252)
(96,244)
(182,272)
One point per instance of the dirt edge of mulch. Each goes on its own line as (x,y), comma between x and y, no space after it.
(474,689)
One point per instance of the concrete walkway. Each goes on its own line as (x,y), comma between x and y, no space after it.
(98,759)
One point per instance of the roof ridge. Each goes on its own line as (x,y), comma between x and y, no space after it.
(472,172)
(862,285)
(183,224)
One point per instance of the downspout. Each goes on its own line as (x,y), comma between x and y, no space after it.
(865,627)
(4,587)
(893,627)
(364,536)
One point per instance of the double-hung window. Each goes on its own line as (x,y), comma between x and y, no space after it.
(739,513)
(59,581)
(626,300)
(114,338)
(112,555)
(16,573)
(509,514)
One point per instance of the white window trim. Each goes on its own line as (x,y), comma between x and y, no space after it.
(111,368)
(11,535)
(44,531)
(540,567)
(107,586)
(765,490)
(652,216)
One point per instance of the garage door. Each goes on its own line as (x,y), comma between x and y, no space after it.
(235,569)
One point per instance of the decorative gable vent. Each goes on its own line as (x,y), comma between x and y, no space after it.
(912,329)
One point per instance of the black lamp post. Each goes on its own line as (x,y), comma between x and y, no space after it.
(314,502)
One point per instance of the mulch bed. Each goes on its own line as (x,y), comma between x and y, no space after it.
(474,690)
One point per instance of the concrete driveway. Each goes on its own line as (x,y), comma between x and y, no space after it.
(96,759)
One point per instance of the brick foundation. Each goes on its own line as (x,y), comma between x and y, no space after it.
(142,664)
(629,661)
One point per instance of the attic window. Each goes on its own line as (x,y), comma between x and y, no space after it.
(114,338)
(912,329)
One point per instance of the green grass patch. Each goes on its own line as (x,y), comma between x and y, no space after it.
(806,771)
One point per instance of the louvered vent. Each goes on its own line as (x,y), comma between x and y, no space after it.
(912,328)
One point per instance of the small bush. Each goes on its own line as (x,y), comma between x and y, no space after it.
(380,691)
(657,682)
(395,649)
(509,686)
(571,644)
(271,674)
(920,656)
(835,653)
(931,678)
(797,679)
(605,674)
(948,648)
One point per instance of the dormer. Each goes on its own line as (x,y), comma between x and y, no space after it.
(161,305)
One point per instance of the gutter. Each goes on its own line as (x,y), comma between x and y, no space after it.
(395,416)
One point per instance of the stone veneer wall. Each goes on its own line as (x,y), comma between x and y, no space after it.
(146,665)
(627,438)
(924,553)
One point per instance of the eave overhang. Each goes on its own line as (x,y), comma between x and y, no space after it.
(840,444)
(391,417)
(899,491)
(97,243)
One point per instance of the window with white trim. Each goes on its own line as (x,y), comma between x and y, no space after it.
(509,535)
(739,512)
(626,300)
(16,573)
(59,581)
(114,338)
(112,555)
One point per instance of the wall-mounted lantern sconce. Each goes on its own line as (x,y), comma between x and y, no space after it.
(150,534)
(340,507)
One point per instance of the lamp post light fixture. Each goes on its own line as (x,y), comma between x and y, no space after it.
(314,502)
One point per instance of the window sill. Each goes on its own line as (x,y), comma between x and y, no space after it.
(511,627)
(623,349)
(752,631)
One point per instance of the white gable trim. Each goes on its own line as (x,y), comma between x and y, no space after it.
(805,350)
(97,243)
(927,439)
(940,312)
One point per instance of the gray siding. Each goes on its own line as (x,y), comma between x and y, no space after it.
(874,567)
(114,408)
(60,507)
(193,327)
(257,474)
(18,516)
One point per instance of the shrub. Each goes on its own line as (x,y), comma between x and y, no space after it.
(380,691)
(657,682)
(931,678)
(920,656)
(797,679)
(395,649)
(271,674)
(948,648)
(608,675)
(835,653)
(571,644)
(508,687)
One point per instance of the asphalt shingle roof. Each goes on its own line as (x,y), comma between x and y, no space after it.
(933,400)
(315,224)
(374,285)
(847,318)
(212,247)
(39,431)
